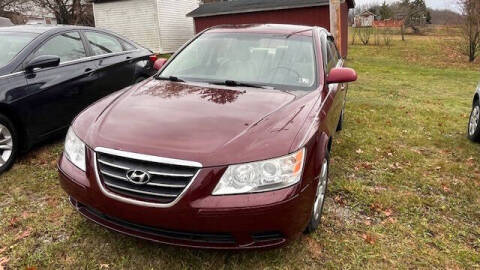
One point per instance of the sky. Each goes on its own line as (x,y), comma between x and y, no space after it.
(435,4)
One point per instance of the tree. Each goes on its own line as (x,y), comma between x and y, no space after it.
(75,12)
(385,11)
(414,13)
(4,4)
(429,17)
(470,28)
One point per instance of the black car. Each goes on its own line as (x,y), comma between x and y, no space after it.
(48,74)
(474,122)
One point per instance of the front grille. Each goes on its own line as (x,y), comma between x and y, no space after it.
(167,181)
(217,238)
(267,236)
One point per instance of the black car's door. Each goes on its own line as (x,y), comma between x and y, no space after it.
(59,93)
(114,62)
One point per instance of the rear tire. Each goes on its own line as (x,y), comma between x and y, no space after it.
(8,143)
(473,129)
(321,191)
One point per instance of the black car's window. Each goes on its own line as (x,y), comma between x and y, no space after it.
(103,44)
(128,46)
(281,61)
(11,43)
(67,46)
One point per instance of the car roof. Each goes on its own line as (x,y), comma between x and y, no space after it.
(265,28)
(41,28)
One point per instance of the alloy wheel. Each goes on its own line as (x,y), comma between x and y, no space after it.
(6,145)
(321,189)
(474,117)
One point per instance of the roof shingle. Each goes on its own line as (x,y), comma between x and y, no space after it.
(245,6)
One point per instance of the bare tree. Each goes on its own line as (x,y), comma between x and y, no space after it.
(364,33)
(75,12)
(5,4)
(470,28)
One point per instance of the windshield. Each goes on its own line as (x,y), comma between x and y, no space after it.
(280,61)
(11,44)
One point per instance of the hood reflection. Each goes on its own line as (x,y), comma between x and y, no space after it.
(176,90)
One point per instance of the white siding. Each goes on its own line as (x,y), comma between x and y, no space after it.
(133,19)
(175,27)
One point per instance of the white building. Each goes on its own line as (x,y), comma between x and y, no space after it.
(364,19)
(160,25)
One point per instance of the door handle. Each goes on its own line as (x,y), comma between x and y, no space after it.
(89,71)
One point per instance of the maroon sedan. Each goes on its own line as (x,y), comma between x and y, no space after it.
(226,147)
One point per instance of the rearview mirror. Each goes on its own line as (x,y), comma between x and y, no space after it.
(43,61)
(159,63)
(341,75)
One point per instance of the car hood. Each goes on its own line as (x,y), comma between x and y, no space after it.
(212,126)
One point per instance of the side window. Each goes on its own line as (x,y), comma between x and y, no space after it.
(128,46)
(103,44)
(333,55)
(67,46)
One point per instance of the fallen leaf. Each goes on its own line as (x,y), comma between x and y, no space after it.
(314,247)
(13,221)
(359,151)
(104,265)
(24,234)
(389,220)
(388,212)
(3,262)
(339,200)
(369,238)
(2,250)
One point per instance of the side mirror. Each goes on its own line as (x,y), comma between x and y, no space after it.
(159,63)
(341,75)
(43,61)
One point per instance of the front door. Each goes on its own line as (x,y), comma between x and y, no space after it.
(58,94)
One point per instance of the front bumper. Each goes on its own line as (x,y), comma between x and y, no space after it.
(198,219)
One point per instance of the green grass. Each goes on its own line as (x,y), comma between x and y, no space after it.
(404,192)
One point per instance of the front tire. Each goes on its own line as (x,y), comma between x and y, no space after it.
(319,197)
(474,123)
(8,143)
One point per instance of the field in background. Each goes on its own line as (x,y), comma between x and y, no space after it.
(404,190)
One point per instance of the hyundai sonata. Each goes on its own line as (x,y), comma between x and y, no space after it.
(226,147)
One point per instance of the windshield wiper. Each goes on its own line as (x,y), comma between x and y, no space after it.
(170,78)
(237,84)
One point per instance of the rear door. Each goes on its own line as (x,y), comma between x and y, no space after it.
(115,68)
(56,95)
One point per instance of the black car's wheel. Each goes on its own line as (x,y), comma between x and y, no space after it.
(319,197)
(474,123)
(8,143)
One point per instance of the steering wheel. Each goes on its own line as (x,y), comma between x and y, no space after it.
(288,69)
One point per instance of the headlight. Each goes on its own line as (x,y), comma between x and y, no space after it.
(262,176)
(75,150)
